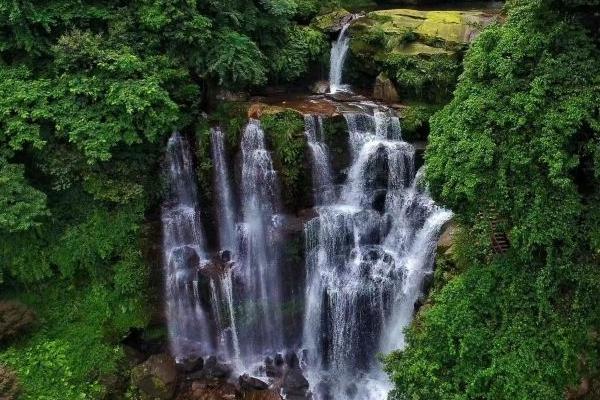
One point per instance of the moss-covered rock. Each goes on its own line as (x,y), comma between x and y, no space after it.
(156,378)
(421,51)
(333,21)
(449,27)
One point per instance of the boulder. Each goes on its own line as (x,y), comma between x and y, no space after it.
(191,364)
(213,370)
(291,359)
(294,383)
(446,240)
(272,370)
(385,90)
(248,382)
(333,21)
(156,378)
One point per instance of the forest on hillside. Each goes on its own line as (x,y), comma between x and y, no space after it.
(91,92)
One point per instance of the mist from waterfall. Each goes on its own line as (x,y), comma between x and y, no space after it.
(339,51)
(368,254)
(184,251)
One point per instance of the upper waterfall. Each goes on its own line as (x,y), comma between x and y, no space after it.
(339,51)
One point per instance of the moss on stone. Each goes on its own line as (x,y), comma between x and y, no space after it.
(284,133)
(331,21)
(421,51)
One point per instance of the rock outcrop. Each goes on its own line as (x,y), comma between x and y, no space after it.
(385,90)
(156,378)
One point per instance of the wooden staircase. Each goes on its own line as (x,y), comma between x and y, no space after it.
(500,242)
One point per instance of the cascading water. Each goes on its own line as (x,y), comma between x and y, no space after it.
(225,210)
(339,51)
(221,284)
(367,255)
(183,255)
(260,330)
(369,252)
(324,191)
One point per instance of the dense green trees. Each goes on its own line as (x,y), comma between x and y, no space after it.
(90,92)
(519,143)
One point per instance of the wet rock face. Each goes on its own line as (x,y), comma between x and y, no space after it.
(191,364)
(250,383)
(385,90)
(156,378)
(294,384)
(213,370)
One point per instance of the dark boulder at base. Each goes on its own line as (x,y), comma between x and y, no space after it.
(249,383)
(295,385)
(213,369)
(191,364)
(156,378)
(272,370)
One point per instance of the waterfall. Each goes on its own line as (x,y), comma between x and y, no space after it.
(368,254)
(339,51)
(183,255)
(258,255)
(224,197)
(221,283)
(323,187)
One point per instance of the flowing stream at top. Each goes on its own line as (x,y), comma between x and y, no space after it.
(339,51)
(368,254)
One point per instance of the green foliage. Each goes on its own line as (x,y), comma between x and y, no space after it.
(22,205)
(424,77)
(285,133)
(304,45)
(77,343)
(415,120)
(517,143)
(236,60)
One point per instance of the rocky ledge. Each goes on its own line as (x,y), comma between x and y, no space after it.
(161,378)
